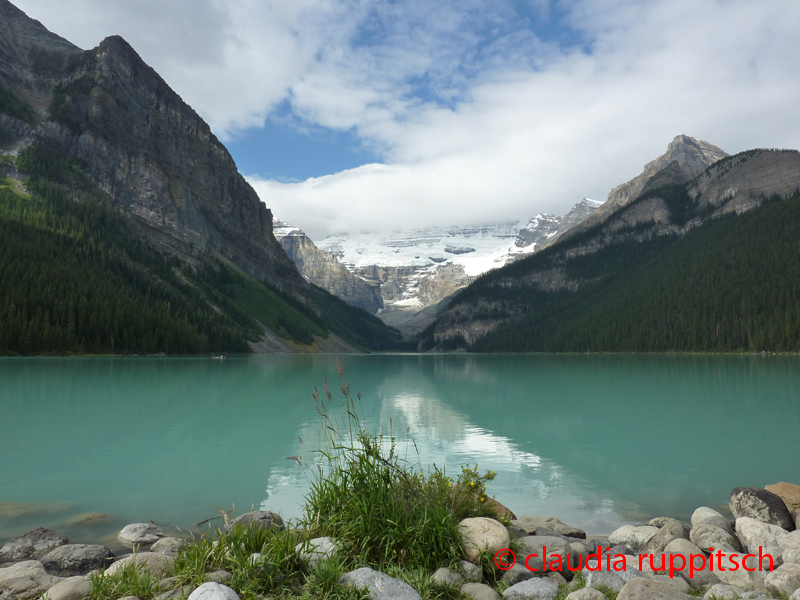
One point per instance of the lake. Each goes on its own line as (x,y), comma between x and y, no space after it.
(597,440)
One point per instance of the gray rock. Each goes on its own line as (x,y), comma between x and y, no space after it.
(533,552)
(316,550)
(795,596)
(790,540)
(634,539)
(677,583)
(139,534)
(755,534)
(168,545)
(482,534)
(644,588)
(532,589)
(557,578)
(160,565)
(706,536)
(683,547)
(447,576)
(658,522)
(265,519)
(608,579)
(176,594)
(77,559)
(25,580)
(710,516)
(517,573)
(213,591)
(220,576)
(672,529)
(783,580)
(472,573)
(792,555)
(723,591)
(380,585)
(479,591)
(586,594)
(34,544)
(761,505)
(515,531)
(626,574)
(746,579)
(73,588)
(531,523)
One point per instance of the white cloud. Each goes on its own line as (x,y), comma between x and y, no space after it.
(477,118)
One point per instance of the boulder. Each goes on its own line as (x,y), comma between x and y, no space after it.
(634,539)
(502,511)
(316,550)
(479,591)
(645,588)
(532,589)
(746,579)
(788,492)
(669,531)
(379,585)
(761,505)
(723,591)
(481,534)
(159,565)
(25,580)
(677,583)
(609,579)
(790,540)
(77,559)
(219,576)
(755,534)
(213,591)
(682,547)
(34,544)
(168,545)
(472,573)
(139,534)
(265,519)
(710,516)
(533,552)
(447,576)
(791,555)
(518,573)
(586,594)
(531,523)
(73,588)
(783,580)
(706,536)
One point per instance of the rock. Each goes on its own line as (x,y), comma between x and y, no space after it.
(531,523)
(723,591)
(790,540)
(73,588)
(557,578)
(90,519)
(783,580)
(761,505)
(472,573)
(265,519)
(710,516)
(533,552)
(379,585)
(479,591)
(515,531)
(608,579)
(788,492)
(168,545)
(220,576)
(159,565)
(139,534)
(792,555)
(644,588)
(532,589)
(586,594)
(446,576)
(481,534)
(745,579)
(25,580)
(34,544)
(684,548)
(502,511)
(633,538)
(706,536)
(755,534)
(677,583)
(629,572)
(516,574)
(658,522)
(176,594)
(672,529)
(213,591)
(77,559)
(316,550)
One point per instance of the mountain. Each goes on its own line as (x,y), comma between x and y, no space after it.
(129,185)
(322,269)
(416,271)
(708,263)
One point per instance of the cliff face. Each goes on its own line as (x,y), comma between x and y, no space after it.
(322,269)
(153,156)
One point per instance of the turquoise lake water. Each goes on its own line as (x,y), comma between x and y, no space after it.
(597,440)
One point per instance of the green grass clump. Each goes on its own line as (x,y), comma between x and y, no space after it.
(131,580)
(382,509)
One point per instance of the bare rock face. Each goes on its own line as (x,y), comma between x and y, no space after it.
(321,268)
(685,158)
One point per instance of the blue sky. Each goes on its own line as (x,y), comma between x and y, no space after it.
(381,114)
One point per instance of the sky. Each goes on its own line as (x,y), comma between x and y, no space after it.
(378,115)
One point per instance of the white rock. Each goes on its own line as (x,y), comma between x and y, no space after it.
(756,534)
(481,534)
(139,534)
(213,591)
(633,538)
(784,580)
